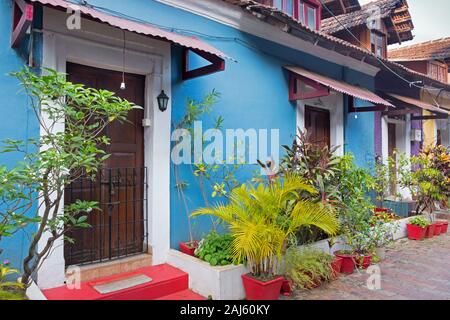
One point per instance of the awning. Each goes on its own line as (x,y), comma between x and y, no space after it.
(419,104)
(340,86)
(140,28)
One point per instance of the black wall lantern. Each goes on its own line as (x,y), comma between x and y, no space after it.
(163,101)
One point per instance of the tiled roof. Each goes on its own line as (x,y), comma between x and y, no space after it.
(290,25)
(430,50)
(395,12)
(338,7)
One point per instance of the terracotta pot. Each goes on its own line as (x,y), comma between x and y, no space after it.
(260,290)
(363,261)
(188,247)
(348,262)
(286,288)
(437,228)
(430,231)
(444,227)
(336,266)
(415,232)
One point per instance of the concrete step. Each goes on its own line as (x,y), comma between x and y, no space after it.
(166,281)
(183,295)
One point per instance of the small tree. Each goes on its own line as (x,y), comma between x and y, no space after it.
(429,181)
(56,159)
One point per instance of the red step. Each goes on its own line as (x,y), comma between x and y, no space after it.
(183,295)
(167,282)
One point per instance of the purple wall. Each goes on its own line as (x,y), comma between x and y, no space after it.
(416,125)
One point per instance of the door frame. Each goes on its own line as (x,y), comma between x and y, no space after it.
(334,103)
(99,45)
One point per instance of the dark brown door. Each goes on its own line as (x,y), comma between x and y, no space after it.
(118,228)
(392,146)
(317,124)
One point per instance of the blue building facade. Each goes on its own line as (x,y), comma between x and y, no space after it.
(254,92)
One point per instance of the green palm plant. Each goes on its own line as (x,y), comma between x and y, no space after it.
(262,218)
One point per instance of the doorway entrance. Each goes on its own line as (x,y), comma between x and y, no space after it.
(317,124)
(119,228)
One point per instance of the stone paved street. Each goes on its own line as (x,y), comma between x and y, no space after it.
(412,270)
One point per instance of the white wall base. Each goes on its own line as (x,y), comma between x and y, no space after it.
(221,283)
(34,293)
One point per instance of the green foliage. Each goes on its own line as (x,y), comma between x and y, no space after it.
(56,159)
(215,249)
(429,181)
(10,290)
(214,180)
(307,268)
(262,218)
(420,221)
(316,163)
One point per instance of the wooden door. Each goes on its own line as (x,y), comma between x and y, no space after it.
(392,147)
(118,228)
(317,124)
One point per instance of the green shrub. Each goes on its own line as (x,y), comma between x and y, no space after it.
(420,221)
(307,268)
(215,249)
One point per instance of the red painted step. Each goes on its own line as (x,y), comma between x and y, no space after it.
(166,281)
(183,295)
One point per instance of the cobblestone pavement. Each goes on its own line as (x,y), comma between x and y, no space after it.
(417,270)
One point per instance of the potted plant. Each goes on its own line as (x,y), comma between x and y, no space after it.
(438,227)
(348,260)
(417,228)
(429,233)
(444,227)
(336,264)
(261,219)
(307,268)
(382,233)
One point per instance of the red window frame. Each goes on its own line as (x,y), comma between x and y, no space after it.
(315,4)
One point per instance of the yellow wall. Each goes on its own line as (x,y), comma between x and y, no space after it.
(429,131)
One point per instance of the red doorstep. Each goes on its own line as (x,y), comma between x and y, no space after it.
(167,282)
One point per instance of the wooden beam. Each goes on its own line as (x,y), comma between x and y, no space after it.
(22,20)
(401,112)
(217,65)
(353,109)
(432,117)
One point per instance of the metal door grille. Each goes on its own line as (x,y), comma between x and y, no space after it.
(119,228)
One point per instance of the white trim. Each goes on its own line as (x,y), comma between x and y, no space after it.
(144,56)
(335,104)
(233,16)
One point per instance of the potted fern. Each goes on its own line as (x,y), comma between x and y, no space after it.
(261,219)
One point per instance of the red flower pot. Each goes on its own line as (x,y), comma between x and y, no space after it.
(444,228)
(286,288)
(259,290)
(336,266)
(430,231)
(415,232)
(188,248)
(437,228)
(381,210)
(348,262)
(363,262)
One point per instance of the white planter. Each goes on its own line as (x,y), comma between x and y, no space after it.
(34,293)
(323,246)
(221,283)
(401,231)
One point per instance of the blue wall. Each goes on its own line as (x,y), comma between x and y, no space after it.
(254,93)
(18,122)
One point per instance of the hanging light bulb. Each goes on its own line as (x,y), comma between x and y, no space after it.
(356,116)
(123,86)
